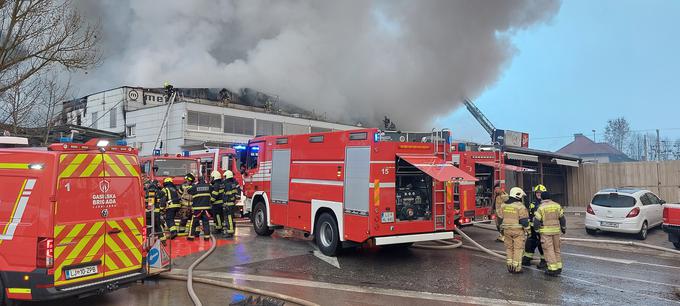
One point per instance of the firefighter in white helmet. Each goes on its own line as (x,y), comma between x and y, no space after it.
(217,199)
(232,193)
(514,221)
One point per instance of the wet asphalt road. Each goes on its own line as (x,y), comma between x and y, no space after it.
(286,263)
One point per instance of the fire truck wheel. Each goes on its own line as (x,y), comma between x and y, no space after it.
(327,235)
(260,220)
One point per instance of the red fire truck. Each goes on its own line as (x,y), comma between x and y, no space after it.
(671,223)
(159,167)
(72,220)
(351,187)
(221,159)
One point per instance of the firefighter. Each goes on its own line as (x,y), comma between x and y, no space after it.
(185,210)
(549,221)
(154,199)
(514,221)
(534,239)
(200,208)
(232,194)
(172,198)
(217,200)
(500,196)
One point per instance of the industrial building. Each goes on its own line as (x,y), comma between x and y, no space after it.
(199,118)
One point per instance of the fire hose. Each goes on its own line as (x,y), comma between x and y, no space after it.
(603,241)
(190,279)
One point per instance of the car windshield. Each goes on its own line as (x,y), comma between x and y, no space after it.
(613,200)
(174,167)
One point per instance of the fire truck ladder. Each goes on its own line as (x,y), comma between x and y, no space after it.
(165,119)
(439,207)
(497,169)
(438,138)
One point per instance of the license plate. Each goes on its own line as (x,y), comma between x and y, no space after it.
(387,217)
(80,272)
(609,224)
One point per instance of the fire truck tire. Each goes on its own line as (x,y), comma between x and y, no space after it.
(326,235)
(260,220)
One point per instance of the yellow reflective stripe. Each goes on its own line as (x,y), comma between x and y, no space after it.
(69,237)
(13,166)
(94,250)
(109,263)
(78,248)
(129,243)
(92,166)
(58,229)
(62,157)
(73,165)
(19,290)
(135,231)
(127,164)
(113,165)
(198,195)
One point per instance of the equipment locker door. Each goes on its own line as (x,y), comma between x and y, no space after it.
(280,187)
(124,210)
(79,226)
(357,172)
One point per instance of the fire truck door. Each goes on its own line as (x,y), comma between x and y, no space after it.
(79,225)
(357,175)
(123,210)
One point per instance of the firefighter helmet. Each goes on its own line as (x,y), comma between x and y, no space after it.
(190,177)
(167,180)
(540,188)
(216,175)
(517,193)
(228,174)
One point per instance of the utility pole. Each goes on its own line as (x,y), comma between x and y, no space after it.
(658,146)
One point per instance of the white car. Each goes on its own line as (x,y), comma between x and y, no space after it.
(624,210)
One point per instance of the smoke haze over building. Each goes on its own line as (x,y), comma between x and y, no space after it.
(353,60)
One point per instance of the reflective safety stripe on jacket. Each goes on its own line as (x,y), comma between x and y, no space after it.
(200,196)
(511,214)
(549,213)
(217,192)
(172,197)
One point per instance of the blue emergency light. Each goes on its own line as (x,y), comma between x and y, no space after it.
(185,153)
(376,137)
(121,142)
(239,147)
(65,139)
(461,147)
(156,152)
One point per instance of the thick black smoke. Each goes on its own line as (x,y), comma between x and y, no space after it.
(353,60)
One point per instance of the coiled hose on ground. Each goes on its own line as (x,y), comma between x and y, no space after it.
(190,279)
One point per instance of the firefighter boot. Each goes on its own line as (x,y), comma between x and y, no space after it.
(526,261)
(542,265)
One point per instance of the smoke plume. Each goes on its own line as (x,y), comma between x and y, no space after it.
(353,60)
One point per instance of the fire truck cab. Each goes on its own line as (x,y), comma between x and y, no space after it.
(221,159)
(160,167)
(351,187)
(72,220)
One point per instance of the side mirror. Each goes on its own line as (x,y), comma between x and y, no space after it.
(662,202)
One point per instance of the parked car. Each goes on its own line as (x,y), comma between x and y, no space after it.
(671,223)
(624,210)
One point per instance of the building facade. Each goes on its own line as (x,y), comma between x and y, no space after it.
(193,121)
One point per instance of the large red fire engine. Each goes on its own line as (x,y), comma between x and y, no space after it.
(671,223)
(350,187)
(159,167)
(72,220)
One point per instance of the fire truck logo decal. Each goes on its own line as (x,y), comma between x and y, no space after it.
(87,242)
(104,186)
(105,213)
(18,209)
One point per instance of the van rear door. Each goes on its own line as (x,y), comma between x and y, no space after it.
(79,227)
(123,205)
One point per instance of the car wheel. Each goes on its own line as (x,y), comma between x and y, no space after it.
(591,231)
(260,220)
(326,235)
(642,235)
(676,245)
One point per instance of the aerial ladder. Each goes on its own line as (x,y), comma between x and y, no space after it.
(491,129)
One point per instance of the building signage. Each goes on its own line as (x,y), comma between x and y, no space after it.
(511,138)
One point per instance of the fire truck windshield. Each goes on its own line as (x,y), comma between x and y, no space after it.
(174,167)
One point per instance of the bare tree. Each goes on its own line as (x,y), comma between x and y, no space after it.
(36,35)
(616,132)
(52,96)
(676,150)
(18,105)
(636,146)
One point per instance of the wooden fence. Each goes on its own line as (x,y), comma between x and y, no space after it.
(662,178)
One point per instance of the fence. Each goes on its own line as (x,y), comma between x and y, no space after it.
(662,178)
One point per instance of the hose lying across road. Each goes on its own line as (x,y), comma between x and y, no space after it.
(628,243)
(190,279)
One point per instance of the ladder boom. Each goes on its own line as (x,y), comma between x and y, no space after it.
(485,122)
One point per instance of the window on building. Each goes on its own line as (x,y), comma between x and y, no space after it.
(320,129)
(294,129)
(112,117)
(79,120)
(95,117)
(208,122)
(130,130)
(239,125)
(265,128)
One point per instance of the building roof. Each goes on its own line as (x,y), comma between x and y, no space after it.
(583,145)
(542,153)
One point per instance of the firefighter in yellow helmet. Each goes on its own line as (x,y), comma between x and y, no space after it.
(514,221)
(534,239)
(549,221)
(232,194)
(170,195)
(217,199)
